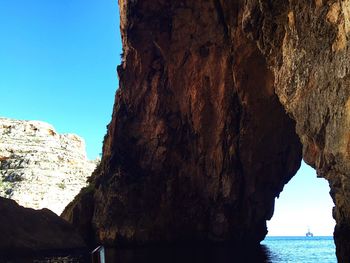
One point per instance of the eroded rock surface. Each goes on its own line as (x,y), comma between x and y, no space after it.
(313,83)
(199,145)
(39,167)
(25,230)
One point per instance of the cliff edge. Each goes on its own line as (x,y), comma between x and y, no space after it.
(40,168)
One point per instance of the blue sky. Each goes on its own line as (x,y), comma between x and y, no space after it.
(58,64)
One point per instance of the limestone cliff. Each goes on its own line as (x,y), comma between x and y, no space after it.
(312,80)
(200,144)
(39,167)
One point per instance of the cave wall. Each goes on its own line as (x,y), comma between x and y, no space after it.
(313,83)
(307,48)
(199,145)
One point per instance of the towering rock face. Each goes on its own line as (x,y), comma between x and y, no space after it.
(199,145)
(312,80)
(39,167)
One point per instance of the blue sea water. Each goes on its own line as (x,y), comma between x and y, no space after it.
(300,249)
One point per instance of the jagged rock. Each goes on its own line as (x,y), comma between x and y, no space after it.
(312,80)
(25,230)
(199,145)
(39,167)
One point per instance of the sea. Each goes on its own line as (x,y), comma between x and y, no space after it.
(300,249)
(271,250)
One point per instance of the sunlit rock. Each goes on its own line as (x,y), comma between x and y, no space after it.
(40,168)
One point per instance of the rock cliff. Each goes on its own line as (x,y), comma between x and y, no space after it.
(25,230)
(39,167)
(200,143)
(312,80)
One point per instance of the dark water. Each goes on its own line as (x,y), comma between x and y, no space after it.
(272,250)
(188,255)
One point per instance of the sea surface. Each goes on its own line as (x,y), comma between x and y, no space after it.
(300,249)
(272,250)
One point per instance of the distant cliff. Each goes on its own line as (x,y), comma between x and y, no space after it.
(39,167)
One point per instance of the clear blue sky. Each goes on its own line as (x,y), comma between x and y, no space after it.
(58,63)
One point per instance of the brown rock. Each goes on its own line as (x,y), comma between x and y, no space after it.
(312,81)
(199,145)
(27,230)
(308,53)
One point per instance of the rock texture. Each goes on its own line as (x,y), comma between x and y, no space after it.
(312,80)
(25,230)
(199,144)
(39,167)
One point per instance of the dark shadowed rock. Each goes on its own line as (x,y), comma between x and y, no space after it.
(27,230)
(199,145)
(307,44)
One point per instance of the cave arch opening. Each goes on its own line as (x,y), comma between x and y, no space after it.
(302,223)
(304,204)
